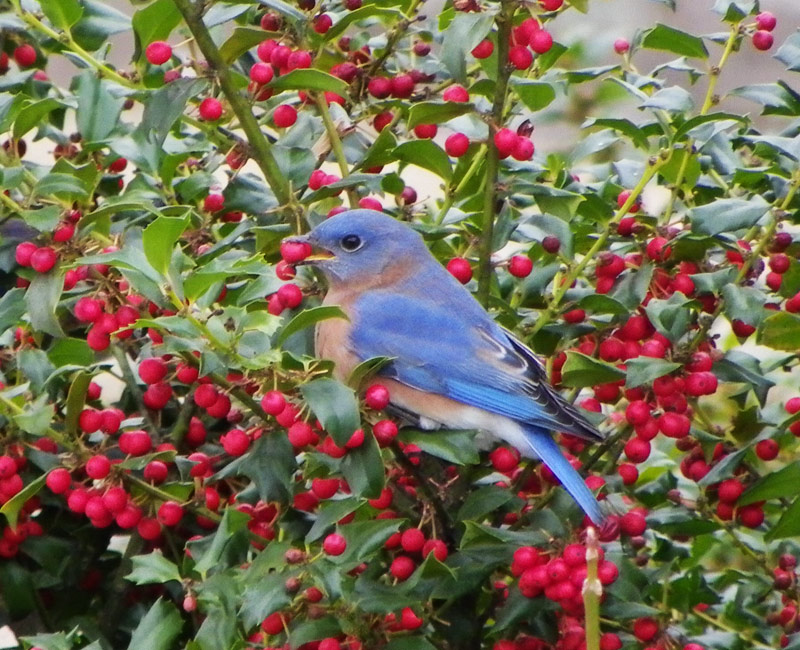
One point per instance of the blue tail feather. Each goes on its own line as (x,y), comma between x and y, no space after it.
(543,445)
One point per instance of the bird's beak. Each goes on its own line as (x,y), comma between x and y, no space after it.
(320,256)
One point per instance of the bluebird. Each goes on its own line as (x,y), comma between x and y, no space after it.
(451,365)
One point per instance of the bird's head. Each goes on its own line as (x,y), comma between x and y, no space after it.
(355,244)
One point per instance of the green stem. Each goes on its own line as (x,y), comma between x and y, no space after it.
(687,155)
(710,99)
(262,152)
(336,143)
(453,193)
(654,164)
(492,156)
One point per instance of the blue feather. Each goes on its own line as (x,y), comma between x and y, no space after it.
(543,445)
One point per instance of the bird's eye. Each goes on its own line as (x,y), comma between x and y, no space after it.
(351,243)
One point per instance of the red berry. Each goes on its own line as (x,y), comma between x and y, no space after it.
(520,266)
(210,109)
(170,513)
(334,544)
(300,434)
(456,93)
(322,23)
(235,443)
(24,252)
(610,641)
(148,528)
(766,21)
(205,395)
(98,467)
(43,259)
(88,310)
(541,41)
(325,488)
(632,523)
(377,397)
(505,140)
(767,449)
(730,490)
(751,515)
(483,50)
(520,57)
(379,87)
(25,55)
(427,131)
(155,471)
(402,86)
(299,59)
(645,629)
(460,269)
(504,459)
(409,620)
(273,402)
(621,46)
(284,116)
(412,540)
(456,145)
(135,443)
(290,295)
(385,431)
(58,480)
(402,567)
(157,395)
(158,52)
(523,150)
(628,473)
(152,370)
(293,252)
(762,40)
(637,450)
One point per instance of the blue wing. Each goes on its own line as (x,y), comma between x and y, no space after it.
(459,352)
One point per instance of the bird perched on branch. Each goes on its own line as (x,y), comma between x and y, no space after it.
(451,364)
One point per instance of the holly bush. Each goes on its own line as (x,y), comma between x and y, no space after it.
(179,470)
